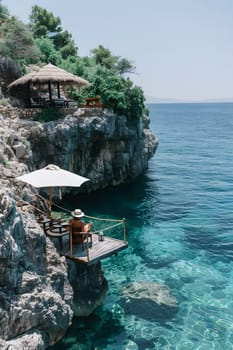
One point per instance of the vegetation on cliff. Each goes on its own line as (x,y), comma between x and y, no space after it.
(43,40)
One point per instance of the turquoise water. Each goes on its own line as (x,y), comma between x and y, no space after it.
(180,233)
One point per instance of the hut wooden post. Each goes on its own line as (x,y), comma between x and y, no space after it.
(29,94)
(50,92)
(58,90)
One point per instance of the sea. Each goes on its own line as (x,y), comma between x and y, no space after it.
(179,220)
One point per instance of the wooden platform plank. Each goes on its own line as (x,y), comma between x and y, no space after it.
(98,250)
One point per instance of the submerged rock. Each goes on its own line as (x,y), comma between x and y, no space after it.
(148,300)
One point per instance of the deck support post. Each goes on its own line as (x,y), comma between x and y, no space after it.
(71,243)
(87,248)
(124,228)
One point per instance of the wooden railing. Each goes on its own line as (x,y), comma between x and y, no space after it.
(92,102)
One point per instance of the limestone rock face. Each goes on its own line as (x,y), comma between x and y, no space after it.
(29,341)
(35,294)
(88,292)
(96,144)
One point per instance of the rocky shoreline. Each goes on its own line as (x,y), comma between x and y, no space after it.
(40,291)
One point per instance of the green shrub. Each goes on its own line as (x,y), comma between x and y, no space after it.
(48,114)
(117,93)
(4,101)
(4,162)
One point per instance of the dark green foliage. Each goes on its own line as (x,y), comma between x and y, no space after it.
(18,42)
(4,13)
(116,64)
(135,100)
(113,93)
(103,70)
(50,54)
(48,114)
(104,57)
(125,66)
(74,65)
(117,93)
(61,39)
(43,23)
(68,50)
(9,71)
(63,42)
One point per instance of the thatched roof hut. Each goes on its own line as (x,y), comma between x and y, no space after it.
(49,74)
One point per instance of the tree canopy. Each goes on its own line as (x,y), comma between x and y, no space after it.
(104,57)
(45,25)
(4,13)
(18,42)
(44,41)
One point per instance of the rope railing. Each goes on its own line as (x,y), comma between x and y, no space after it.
(102,219)
(111,227)
(119,222)
(59,207)
(88,216)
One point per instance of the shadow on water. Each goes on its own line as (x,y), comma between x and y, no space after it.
(132,201)
(157,262)
(91,332)
(204,238)
(148,310)
(138,201)
(143,343)
(120,201)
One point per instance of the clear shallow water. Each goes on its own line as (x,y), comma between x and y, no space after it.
(180,233)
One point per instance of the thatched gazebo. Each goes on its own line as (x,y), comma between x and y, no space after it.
(50,75)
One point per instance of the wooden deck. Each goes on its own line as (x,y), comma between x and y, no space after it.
(96,251)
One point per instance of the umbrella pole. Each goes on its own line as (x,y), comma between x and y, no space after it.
(50,200)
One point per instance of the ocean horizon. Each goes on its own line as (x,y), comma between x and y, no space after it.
(157,100)
(179,229)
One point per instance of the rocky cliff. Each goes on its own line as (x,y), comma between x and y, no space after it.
(38,289)
(35,294)
(94,143)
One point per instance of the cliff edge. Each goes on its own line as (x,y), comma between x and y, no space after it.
(94,143)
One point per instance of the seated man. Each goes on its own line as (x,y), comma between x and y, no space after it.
(79,228)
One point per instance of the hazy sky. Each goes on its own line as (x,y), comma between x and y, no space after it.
(182,49)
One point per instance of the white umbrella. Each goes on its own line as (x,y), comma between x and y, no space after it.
(52,176)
